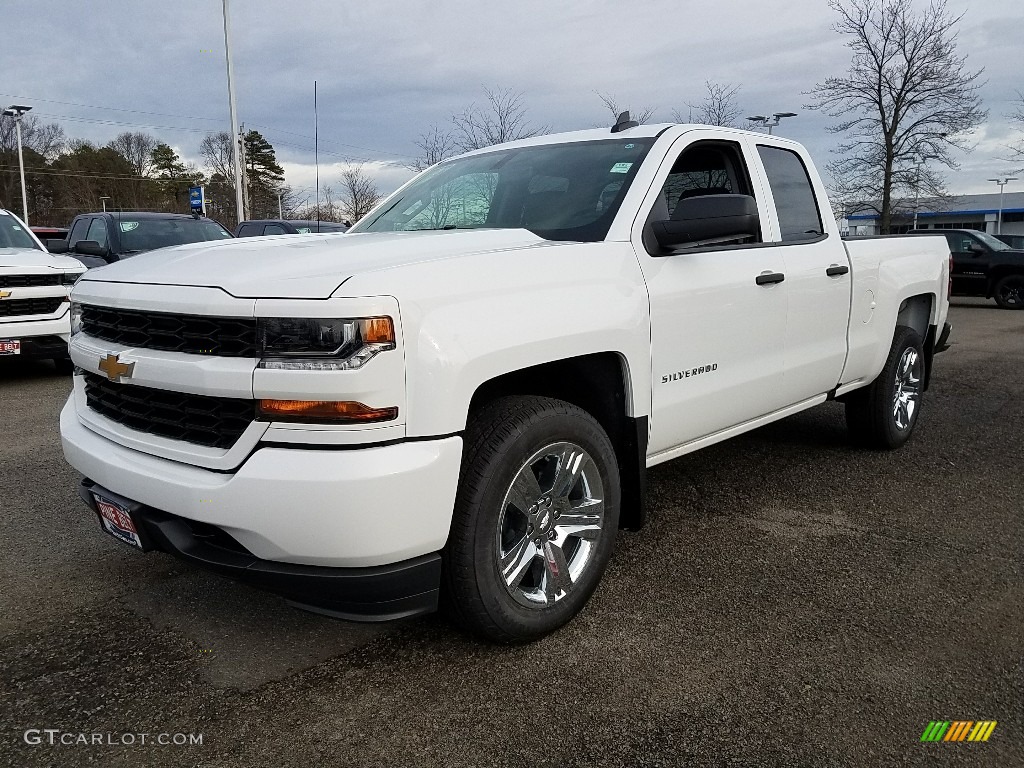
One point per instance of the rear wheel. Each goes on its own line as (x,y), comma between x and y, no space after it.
(535,518)
(883,414)
(1009,292)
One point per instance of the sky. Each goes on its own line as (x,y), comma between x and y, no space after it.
(387,71)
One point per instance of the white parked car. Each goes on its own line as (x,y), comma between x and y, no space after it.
(459,399)
(34,295)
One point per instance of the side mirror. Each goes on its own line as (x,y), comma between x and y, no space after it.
(57,246)
(92,248)
(709,219)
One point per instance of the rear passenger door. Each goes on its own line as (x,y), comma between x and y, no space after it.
(817,275)
(970,267)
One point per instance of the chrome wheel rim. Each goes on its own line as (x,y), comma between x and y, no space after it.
(907,392)
(551,520)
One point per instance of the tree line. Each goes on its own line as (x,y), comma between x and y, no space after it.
(136,171)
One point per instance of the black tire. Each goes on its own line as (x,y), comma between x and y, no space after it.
(500,441)
(872,416)
(64,365)
(1009,292)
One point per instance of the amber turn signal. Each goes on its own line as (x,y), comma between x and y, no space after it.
(378,330)
(337,411)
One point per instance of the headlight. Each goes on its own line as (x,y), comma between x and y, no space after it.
(312,344)
(76,318)
(70,278)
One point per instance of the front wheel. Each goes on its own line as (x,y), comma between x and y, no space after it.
(1009,292)
(535,518)
(883,414)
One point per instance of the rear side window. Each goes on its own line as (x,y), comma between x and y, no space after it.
(248,230)
(799,218)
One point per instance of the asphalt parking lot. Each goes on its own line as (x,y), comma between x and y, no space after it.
(793,602)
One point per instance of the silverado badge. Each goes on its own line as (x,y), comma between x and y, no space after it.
(115,369)
(4,294)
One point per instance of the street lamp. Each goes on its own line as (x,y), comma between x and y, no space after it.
(17,111)
(239,206)
(999,219)
(103,201)
(768,122)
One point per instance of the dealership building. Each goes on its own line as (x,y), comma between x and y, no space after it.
(980,212)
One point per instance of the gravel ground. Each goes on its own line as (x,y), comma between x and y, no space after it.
(793,602)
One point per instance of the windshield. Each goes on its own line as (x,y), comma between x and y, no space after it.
(557,191)
(992,242)
(149,234)
(13,234)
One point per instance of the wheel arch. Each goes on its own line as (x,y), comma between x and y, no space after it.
(601,385)
(917,312)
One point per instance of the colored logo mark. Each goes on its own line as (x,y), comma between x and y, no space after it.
(958,730)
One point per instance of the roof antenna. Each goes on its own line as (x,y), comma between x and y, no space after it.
(622,122)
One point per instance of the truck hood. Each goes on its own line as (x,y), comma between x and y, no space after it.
(20,259)
(302,266)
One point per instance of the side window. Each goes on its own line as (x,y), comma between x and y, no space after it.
(274,229)
(799,218)
(248,230)
(98,232)
(706,169)
(78,232)
(702,169)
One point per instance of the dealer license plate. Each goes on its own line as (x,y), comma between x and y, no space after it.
(117,521)
(10,347)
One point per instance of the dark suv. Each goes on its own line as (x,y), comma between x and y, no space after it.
(96,239)
(983,266)
(259,227)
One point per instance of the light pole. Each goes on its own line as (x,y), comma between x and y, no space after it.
(768,123)
(16,111)
(280,210)
(103,201)
(239,206)
(999,219)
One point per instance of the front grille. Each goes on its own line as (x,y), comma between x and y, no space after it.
(194,334)
(216,422)
(18,307)
(28,281)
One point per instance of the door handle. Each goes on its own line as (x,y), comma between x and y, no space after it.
(836,270)
(769,278)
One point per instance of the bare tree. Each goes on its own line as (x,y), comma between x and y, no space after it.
(502,119)
(217,151)
(137,149)
(358,193)
(643,116)
(718,107)
(908,99)
(435,145)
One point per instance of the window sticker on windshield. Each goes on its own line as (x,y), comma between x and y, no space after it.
(629,146)
(621,168)
(128,226)
(16,228)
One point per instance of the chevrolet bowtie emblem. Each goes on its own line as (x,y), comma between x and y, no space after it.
(115,369)
(4,294)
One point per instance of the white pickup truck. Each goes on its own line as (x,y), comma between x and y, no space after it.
(35,287)
(457,402)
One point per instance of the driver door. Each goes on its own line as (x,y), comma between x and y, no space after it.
(717,330)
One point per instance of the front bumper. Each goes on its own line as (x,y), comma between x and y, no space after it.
(335,507)
(380,593)
(39,338)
